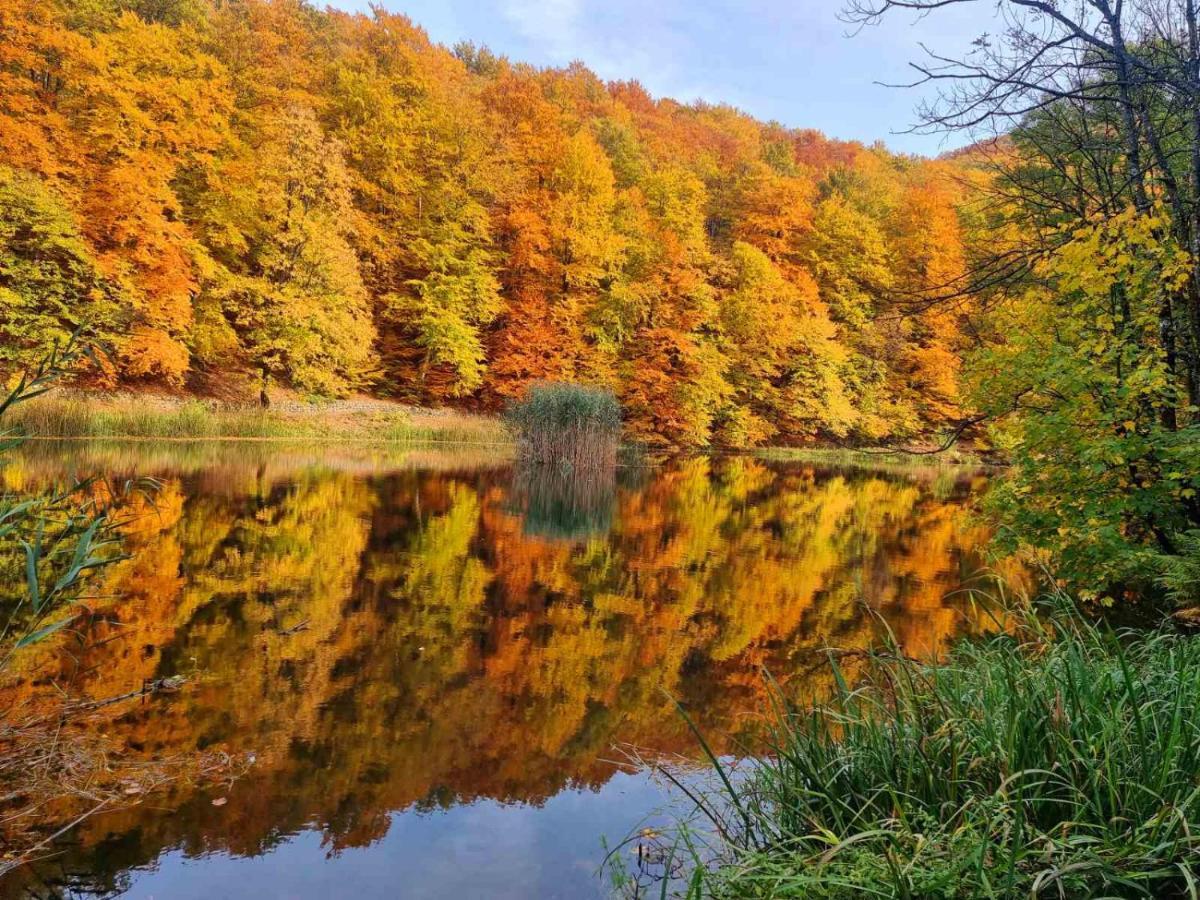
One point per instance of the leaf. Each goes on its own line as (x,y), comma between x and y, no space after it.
(31,575)
(42,633)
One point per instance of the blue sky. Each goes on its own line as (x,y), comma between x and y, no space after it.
(788,60)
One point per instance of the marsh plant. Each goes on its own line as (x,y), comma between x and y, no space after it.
(1057,758)
(52,542)
(570,425)
(49,543)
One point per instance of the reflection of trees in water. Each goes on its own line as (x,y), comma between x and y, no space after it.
(409,639)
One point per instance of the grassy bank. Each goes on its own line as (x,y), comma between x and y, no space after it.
(835,456)
(1058,760)
(63,415)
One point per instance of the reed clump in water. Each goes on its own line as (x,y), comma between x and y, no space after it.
(567,425)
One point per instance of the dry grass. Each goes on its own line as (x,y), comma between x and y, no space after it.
(59,768)
(76,415)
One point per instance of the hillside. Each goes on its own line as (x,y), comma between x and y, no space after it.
(256,190)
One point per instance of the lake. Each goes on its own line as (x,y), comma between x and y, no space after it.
(433,668)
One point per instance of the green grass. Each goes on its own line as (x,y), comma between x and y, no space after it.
(67,416)
(1061,759)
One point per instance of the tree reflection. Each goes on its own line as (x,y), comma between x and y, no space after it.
(406,639)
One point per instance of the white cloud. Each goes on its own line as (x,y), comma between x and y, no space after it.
(552,24)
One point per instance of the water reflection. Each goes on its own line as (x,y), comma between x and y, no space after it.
(567,503)
(396,635)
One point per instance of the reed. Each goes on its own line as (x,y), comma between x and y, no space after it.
(1055,760)
(569,425)
(85,416)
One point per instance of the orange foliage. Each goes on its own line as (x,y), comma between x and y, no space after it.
(484,223)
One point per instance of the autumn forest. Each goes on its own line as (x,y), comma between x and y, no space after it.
(222,192)
(425,471)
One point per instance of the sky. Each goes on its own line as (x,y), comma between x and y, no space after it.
(791,61)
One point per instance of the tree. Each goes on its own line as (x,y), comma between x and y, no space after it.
(50,285)
(268,187)
(293,297)
(786,360)
(1095,313)
(417,147)
(149,107)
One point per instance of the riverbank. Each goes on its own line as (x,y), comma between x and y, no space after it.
(67,414)
(879,458)
(1054,759)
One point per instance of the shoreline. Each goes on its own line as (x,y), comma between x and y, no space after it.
(82,415)
(70,415)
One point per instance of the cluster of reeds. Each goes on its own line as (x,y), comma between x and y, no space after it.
(1057,760)
(567,424)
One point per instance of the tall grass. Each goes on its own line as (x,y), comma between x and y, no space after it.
(1062,760)
(567,424)
(68,416)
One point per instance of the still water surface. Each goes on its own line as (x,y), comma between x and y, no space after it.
(438,662)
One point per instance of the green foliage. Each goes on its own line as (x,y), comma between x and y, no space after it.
(1056,760)
(1102,478)
(1179,574)
(50,287)
(567,424)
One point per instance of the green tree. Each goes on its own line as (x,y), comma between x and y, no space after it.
(1099,480)
(50,287)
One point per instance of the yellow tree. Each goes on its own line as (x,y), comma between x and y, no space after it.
(417,146)
(293,295)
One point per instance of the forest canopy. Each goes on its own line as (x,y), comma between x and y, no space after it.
(225,190)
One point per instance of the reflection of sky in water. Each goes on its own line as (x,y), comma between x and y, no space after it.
(409,642)
(481,850)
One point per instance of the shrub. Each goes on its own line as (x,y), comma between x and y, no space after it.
(567,424)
